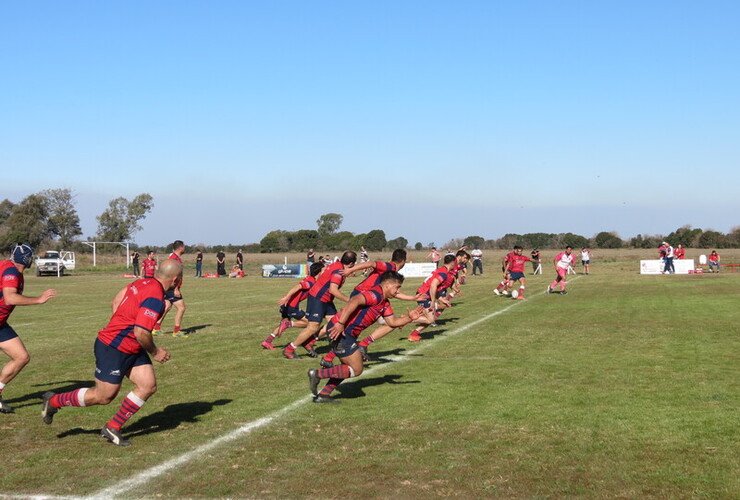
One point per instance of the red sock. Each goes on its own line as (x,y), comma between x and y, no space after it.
(290,347)
(330,386)
(367,341)
(130,405)
(176,329)
(330,356)
(72,398)
(157,326)
(338,371)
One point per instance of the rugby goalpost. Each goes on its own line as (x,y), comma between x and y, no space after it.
(94,246)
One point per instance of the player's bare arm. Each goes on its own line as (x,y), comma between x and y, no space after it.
(13,298)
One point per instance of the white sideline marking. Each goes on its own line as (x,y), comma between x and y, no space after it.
(123,487)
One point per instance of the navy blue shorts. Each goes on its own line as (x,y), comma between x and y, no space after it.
(426,304)
(7,333)
(317,310)
(515,276)
(292,312)
(170,295)
(344,345)
(111,365)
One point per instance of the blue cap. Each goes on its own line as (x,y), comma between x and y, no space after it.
(23,254)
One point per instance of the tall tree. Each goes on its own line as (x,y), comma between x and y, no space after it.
(121,219)
(28,223)
(329,224)
(63,219)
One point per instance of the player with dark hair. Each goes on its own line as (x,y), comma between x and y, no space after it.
(321,303)
(361,311)
(149,265)
(514,265)
(432,288)
(292,315)
(174,297)
(563,261)
(11,295)
(121,351)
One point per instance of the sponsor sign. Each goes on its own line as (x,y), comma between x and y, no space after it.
(656,266)
(417,270)
(284,270)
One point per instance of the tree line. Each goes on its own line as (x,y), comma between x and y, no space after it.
(50,218)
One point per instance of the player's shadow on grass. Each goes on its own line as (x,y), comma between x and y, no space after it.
(34,398)
(384,356)
(355,388)
(193,329)
(167,419)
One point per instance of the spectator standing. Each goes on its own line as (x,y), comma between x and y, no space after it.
(586,260)
(240,260)
(668,259)
(536,262)
(310,257)
(435,256)
(199,263)
(477,255)
(135,263)
(221,263)
(680,252)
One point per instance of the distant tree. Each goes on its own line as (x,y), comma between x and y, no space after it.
(28,222)
(6,209)
(608,240)
(538,240)
(399,242)
(418,246)
(574,240)
(304,239)
(343,240)
(273,241)
(121,219)
(712,239)
(63,219)
(375,240)
(733,238)
(358,241)
(473,241)
(685,236)
(329,223)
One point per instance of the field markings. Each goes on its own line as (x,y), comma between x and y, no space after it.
(125,486)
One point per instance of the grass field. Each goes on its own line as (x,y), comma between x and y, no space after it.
(625,388)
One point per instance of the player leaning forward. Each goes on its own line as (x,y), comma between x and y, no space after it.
(121,350)
(11,295)
(361,311)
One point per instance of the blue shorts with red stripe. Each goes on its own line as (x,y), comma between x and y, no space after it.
(344,345)
(111,365)
(317,310)
(292,312)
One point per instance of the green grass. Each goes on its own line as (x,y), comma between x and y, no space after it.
(625,388)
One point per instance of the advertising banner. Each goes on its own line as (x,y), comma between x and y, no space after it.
(284,270)
(656,266)
(417,270)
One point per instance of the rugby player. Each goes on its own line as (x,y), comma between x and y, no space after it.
(321,302)
(343,328)
(433,287)
(562,262)
(292,314)
(149,266)
(11,295)
(174,297)
(122,349)
(514,265)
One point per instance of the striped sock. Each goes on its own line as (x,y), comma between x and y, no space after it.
(338,371)
(130,405)
(330,386)
(367,341)
(72,398)
(329,357)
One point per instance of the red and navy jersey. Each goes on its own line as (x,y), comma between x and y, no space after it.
(148,267)
(142,305)
(301,294)
(176,257)
(375,306)
(373,278)
(516,262)
(10,277)
(331,274)
(440,274)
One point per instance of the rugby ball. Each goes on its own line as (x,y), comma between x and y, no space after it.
(514,294)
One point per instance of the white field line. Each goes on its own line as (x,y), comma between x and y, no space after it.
(123,487)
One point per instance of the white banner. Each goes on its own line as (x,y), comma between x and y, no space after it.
(417,270)
(683,266)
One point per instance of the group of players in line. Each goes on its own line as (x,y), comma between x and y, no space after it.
(369,303)
(123,347)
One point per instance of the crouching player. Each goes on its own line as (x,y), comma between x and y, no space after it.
(121,351)
(292,314)
(360,312)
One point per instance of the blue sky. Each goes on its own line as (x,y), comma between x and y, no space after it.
(427,119)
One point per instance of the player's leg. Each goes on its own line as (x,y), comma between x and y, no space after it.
(157,330)
(351,366)
(180,308)
(311,329)
(14,348)
(522,286)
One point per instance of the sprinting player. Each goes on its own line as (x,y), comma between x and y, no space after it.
(121,351)
(321,303)
(174,297)
(11,295)
(379,268)
(149,266)
(292,315)
(586,260)
(562,262)
(361,311)
(514,264)
(432,288)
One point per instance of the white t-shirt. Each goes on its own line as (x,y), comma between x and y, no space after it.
(476,254)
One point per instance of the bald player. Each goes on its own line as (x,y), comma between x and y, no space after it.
(122,349)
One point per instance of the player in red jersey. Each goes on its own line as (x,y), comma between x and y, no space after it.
(174,297)
(321,303)
(121,351)
(398,260)
(292,315)
(361,311)
(149,266)
(514,265)
(432,288)
(11,295)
